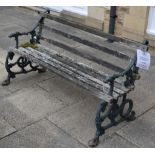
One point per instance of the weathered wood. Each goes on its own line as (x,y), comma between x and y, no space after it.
(75,37)
(60,38)
(62,61)
(92,30)
(90,51)
(80,66)
(84,55)
(54,65)
(116,46)
(76,64)
(71,71)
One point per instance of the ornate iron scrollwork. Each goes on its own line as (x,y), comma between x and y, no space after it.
(22,63)
(112,114)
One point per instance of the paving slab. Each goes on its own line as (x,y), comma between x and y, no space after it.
(143,95)
(15,19)
(23,80)
(73,115)
(65,90)
(28,80)
(142,99)
(79,120)
(3,91)
(19,16)
(13,115)
(28,105)
(41,134)
(115,141)
(3,54)
(142,131)
(5,128)
(7,29)
(147,78)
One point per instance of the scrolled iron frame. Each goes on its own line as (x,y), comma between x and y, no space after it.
(115,109)
(22,62)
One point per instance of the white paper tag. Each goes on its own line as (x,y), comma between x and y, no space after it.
(143,59)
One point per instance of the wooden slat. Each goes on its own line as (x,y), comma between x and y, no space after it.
(92,30)
(81,66)
(54,65)
(87,78)
(60,38)
(84,41)
(78,67)
(115,46)
(85,55)
(76,64)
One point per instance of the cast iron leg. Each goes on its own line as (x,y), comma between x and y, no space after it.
(98,121)
(129,115)
(113,111)
(22,63)
(7,81)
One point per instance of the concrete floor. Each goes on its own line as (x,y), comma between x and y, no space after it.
(45,110)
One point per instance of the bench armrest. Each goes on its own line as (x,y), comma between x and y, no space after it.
(16,36)
(115,76)
(130,66)
(128,72)
(34,36)
(111,79)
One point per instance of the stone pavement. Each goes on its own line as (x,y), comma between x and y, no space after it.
(45,110)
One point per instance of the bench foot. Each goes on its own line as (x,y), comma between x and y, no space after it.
(93,142)
(111,111)
(6,82)
(24,65)
(132,116)
(41,70)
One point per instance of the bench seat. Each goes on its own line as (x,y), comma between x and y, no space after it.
(74,70)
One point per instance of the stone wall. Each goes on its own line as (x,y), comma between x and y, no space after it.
(121,12)
(131,23)
(135,23)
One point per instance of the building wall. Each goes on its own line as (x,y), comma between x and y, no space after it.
(131,22)
(135,23)
(121,12)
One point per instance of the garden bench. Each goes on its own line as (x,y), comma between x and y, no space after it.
(102,63)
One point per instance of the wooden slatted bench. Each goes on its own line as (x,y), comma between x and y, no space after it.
(86,57)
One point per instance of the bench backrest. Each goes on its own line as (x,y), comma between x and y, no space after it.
(89,44)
